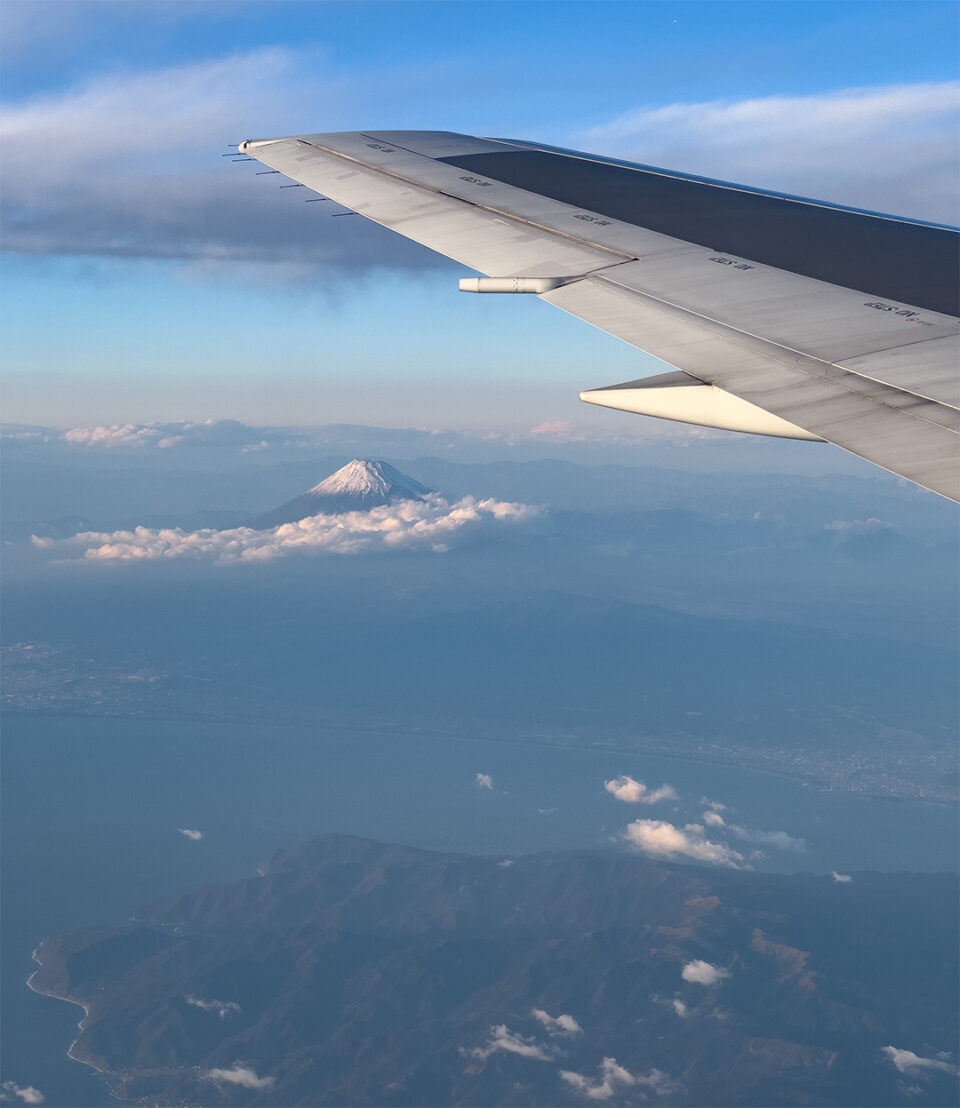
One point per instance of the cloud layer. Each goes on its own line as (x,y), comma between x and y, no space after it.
(889,148)
(128,164)
(433,524)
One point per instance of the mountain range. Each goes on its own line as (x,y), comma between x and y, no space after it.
(353,972)
(356,487)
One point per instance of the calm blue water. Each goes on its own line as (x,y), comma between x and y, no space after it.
(91,809)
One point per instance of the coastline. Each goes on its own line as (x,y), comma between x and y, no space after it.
(81,1025)
(441,734)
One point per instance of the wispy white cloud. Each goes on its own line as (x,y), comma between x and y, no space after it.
(127,164)
(191,833)
(698,972)
(241,1075)
(631,791)
(557,1025)
(893,148)
(660,839)
(613,1078)
(915,1065)
(27,1093)
(223,1008)
(778,839)
(841,878)
(680,1008)
(501,1038)
(483,781)
(432,524)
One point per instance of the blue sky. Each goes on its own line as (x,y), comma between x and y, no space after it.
(146,278)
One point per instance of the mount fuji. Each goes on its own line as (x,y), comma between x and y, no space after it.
(356,487)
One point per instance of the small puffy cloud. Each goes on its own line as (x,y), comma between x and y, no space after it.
(664,840)
(680,1008)
(223,1008)
(699,972)
(557,1025)
(914,1065)
(244,1076)
(191,833)
(26,1093)
(430,524)
(841,878)
(502,1038)
(612,1078)
(714,819)
(483,781)
(631,791)
(713,805)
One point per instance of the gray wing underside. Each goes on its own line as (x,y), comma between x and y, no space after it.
(875,375)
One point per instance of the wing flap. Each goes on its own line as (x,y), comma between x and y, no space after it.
(906,434)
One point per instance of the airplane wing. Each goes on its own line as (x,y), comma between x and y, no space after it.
(781,315)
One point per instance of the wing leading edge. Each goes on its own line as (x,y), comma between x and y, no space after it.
(784,316)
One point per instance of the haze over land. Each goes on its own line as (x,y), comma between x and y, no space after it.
(541,591)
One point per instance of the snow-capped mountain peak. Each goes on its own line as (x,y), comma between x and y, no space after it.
(356,487)
(365,478)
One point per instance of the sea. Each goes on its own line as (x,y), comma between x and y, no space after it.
(94,814)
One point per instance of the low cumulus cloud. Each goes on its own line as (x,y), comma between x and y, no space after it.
(778,839)
(25,1093)
(483,781)
(557,1025)
(891,148)
(841,878)
(223,1008)
(631,791)
(432,524)
(501,1038)
(162,436)
(660,839)
(613,1078)
(699,972)
(244,1076)
(680,1008)
(191,833)
(914,1065)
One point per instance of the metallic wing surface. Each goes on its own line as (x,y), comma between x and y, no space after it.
(781,315)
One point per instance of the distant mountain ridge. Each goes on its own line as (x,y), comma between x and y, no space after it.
(351,972)
(356,487)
